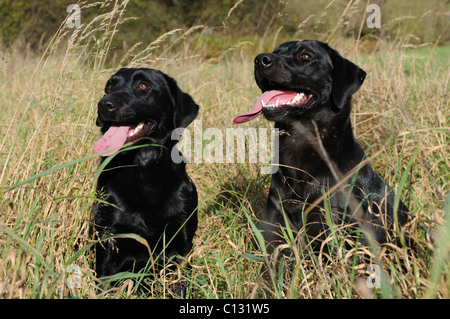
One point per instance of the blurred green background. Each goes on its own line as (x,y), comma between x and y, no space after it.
(32,23)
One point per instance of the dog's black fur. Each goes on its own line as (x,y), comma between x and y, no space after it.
(304,173)
(142,191)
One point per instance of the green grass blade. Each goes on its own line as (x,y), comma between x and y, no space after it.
(27,247)
(76,161)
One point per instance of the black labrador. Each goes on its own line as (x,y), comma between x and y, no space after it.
(307,88)
(141,190)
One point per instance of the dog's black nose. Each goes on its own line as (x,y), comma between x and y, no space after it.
(265,59)
(107,105)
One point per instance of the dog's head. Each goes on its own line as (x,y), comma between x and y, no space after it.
(299,76)
(141,104)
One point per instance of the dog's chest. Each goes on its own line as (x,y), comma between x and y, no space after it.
(134,188)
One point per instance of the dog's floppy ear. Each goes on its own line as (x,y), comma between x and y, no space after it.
(347,78)
(186,110)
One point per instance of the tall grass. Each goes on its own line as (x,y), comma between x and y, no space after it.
(48,170)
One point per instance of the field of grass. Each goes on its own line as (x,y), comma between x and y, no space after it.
(48,168)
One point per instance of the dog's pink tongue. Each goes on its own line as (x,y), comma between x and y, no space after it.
(115,137)
(255,112)
(258,107)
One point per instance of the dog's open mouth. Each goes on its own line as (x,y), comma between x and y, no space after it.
(276,99)
(116,136)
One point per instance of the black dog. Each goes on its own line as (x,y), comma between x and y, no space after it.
(307,88)
(141,190)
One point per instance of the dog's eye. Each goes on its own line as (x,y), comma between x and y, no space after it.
(108,87)
(305,56)
(142,86)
